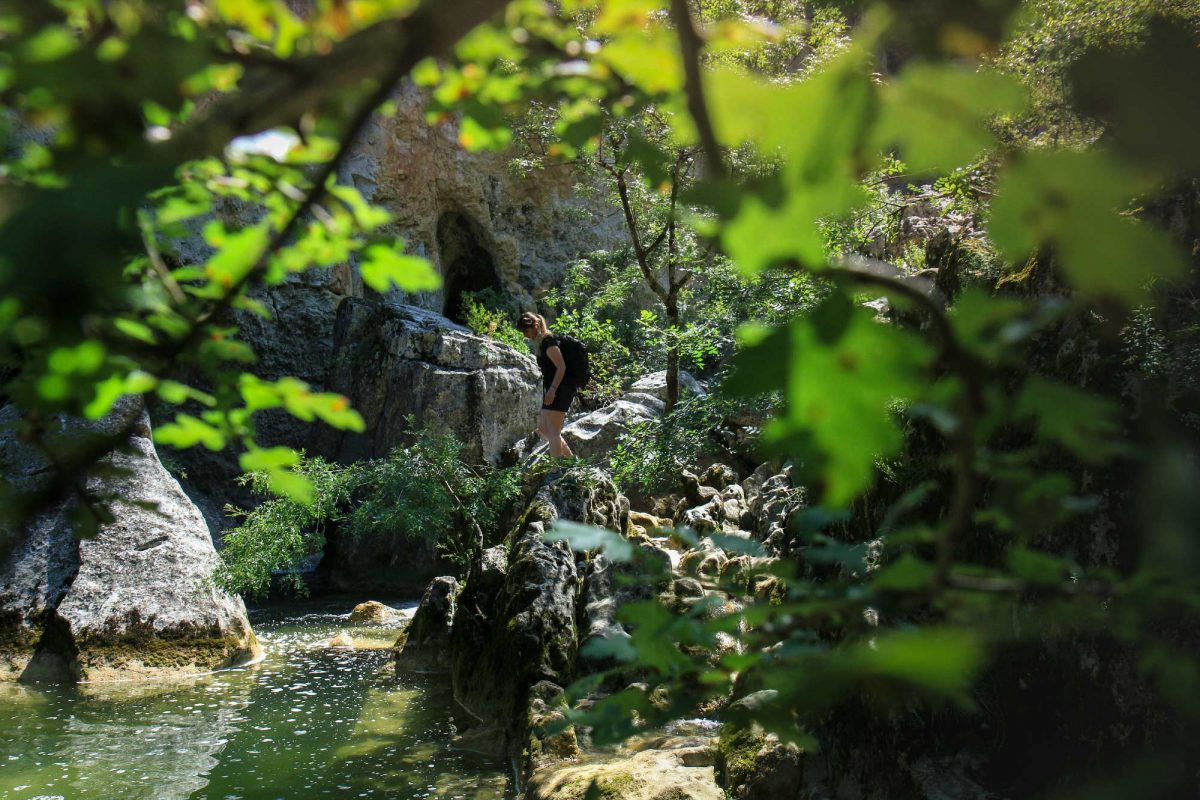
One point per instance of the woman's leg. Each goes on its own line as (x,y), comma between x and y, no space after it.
(550,425)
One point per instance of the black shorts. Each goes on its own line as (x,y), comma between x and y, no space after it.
(563,396)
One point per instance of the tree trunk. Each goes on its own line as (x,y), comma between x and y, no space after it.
(672,352)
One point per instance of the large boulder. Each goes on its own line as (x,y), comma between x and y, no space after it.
(137,599)
(596,433)
(426,648)
(515,626)
(402,366)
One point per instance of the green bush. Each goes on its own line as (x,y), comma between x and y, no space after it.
(489,313)
(423,491)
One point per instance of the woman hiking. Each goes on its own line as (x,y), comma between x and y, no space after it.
(563,362)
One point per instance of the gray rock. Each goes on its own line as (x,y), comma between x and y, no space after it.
(772,499)
(426,648)
(656,384)
(516,624)
(395,361)
(136,600)
(719,476)
(597,432)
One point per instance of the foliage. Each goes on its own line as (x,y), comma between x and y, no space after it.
(490,314)
(420,492)
(961,458)
(280,534)
(103,137)
(650,456)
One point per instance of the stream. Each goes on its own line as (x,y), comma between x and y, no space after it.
(306,721)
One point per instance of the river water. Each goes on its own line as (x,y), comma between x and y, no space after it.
(307,721)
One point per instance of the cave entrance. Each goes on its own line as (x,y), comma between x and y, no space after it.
(467,266)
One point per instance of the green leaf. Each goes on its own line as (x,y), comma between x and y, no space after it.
(135,330)
(237,252)
(942,661)
(1149,98)
(938,113)
(1085,423)
(384,267)
(1036,567)
(187,431)
(838,393)
(590,537)
(908,573)
(1071,200)
(268,459)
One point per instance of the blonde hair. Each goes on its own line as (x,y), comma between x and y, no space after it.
(537,321)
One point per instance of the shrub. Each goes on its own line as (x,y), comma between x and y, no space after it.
(422,491)
(490,314)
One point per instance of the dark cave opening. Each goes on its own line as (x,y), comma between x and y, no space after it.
(467,266)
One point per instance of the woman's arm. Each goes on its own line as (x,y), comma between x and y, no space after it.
(556,357)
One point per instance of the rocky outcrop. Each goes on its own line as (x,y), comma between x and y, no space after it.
(480,223)
(135,600)
(401,366)
(515,626)
(752,765)
(426,648)
(471,213)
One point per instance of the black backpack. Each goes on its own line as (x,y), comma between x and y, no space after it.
(575,356)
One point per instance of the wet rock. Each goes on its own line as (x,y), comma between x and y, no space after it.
(375,613)
(136,600)
(342,642)
(426,646)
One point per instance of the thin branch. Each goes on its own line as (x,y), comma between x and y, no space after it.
(689,48)
(965,365)
(639,252)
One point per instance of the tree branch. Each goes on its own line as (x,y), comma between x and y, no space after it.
(639,252)
(689,48)
(965,365)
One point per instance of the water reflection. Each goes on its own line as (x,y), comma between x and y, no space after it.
(308,721)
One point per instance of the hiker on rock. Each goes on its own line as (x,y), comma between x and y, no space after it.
(563,361)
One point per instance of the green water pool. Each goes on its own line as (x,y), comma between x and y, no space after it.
(307,721)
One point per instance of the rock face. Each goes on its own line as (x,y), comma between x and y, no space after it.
(479,222)
(515,626)
(427,647)
(395,361)
(135,600)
